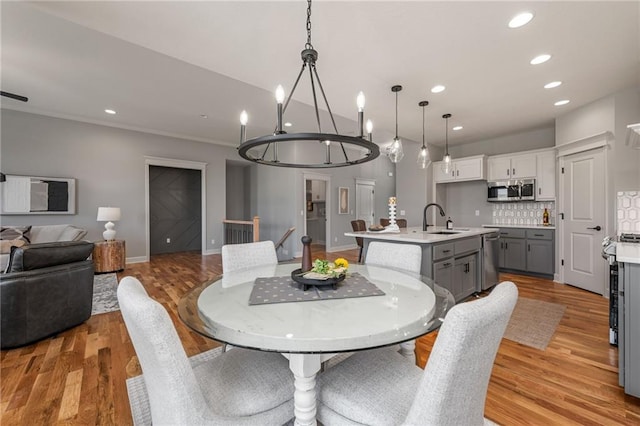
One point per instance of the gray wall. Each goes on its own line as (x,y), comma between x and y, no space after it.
(237,196)
(109,165)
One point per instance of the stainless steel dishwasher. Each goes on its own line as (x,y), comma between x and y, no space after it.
(490,260)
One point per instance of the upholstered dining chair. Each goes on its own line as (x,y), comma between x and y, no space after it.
(402,223)
(238,387)
(406,257)
(380,387)
(250,255)
(359,225)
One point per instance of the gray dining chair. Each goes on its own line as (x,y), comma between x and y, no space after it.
(239,387)
(404,257)
(381,388)
(249,255)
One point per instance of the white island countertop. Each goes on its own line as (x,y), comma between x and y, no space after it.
(416,235)
(628,252)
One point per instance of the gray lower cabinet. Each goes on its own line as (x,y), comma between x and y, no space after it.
(527,250)
(464,277)
(513,253)
(455,266)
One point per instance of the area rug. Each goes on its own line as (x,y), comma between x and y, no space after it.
(534,322)
(137,391)
(105,299)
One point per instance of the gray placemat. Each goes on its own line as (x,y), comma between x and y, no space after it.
(284,289)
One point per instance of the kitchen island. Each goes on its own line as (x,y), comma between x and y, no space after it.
(452,258)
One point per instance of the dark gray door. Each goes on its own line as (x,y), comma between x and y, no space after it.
(175,210)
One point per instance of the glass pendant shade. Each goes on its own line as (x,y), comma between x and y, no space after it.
(446,164)
(423,158)
(396,153)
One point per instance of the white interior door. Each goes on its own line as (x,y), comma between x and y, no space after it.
(584,192)
(365,202)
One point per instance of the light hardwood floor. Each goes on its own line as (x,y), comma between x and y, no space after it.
(78,377)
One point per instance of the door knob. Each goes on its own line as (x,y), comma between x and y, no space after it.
(597,228)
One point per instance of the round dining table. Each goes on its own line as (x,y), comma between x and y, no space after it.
(311,332)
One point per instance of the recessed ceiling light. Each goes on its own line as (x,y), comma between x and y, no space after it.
(204,116)
(458,128)
(109,111)
(521,19)
(540,59)
(552,84)
(562,102)
(287,124)
(438,88)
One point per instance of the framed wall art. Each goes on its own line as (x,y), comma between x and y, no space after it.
(343,200)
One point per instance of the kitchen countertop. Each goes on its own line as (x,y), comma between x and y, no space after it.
(521,226)
(417,236)
(628,252)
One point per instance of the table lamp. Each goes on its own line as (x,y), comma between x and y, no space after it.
(110,215)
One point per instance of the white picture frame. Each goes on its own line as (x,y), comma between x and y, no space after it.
(31,195)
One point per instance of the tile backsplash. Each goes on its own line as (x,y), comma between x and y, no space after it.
(628,211)
(523,213)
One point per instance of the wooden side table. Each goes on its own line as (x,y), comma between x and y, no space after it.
(109,256)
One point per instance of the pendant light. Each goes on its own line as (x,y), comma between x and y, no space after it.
(264,149)
(423,156)
(396,153)
(446,161)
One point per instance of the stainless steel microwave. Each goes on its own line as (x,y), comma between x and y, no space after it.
(512,190)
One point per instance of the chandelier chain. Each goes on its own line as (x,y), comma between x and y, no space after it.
(308,45)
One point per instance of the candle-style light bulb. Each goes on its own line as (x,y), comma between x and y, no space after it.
(244,118)
(360,101)
(279,94)
(369,130)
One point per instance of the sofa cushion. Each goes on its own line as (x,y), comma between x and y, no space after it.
(5,245)
(72,233)
(16,233)
(38,256)
(47,233)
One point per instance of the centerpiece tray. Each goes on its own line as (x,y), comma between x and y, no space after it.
(296,276)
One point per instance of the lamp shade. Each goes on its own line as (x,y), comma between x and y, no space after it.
(108,214)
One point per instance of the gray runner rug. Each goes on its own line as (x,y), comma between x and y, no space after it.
(534,322)
(105,298)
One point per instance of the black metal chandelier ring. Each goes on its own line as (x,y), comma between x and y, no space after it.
(373,149)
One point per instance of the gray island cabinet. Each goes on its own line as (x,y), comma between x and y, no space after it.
(628,256)
(453,260)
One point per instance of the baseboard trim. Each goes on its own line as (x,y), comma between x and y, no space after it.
(138,259)
(212,251)
(342,248)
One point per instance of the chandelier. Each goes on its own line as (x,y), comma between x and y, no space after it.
(264,149)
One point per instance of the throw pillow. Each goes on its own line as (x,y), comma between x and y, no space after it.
(16,233)
(5,245)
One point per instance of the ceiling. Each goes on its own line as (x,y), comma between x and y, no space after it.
(161,65)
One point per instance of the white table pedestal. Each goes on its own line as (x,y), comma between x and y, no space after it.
(408,350)
(305,367)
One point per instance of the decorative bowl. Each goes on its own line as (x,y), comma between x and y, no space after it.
(298,277)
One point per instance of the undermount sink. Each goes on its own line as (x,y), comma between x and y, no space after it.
(444,232)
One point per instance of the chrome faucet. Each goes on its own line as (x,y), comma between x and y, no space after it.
(424,214)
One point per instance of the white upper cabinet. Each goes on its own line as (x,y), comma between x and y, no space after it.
(462,169)
(546,175)
(512,167)
(318,190)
